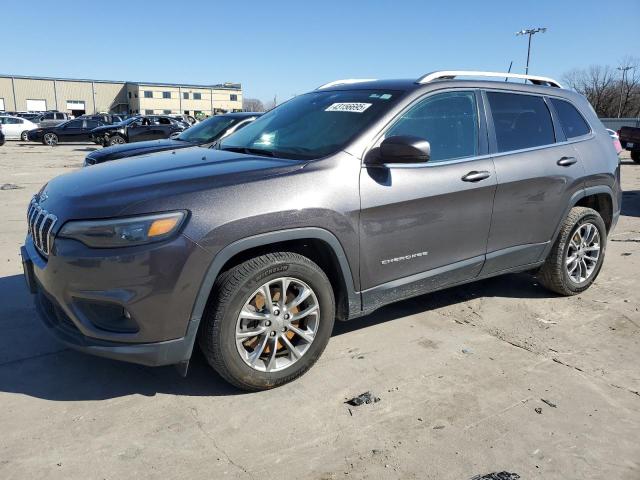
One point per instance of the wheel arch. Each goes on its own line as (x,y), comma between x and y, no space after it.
(317,243)
(596,197)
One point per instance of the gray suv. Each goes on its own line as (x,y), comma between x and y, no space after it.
(337,202)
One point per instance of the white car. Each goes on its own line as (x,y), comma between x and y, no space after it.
(16,128)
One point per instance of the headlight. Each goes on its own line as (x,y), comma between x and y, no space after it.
(124,232)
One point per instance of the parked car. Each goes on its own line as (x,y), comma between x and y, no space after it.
(202,134)
(106,118)
(77,130)
(28,116)
(616,140)
(51,119)
(16,128)
(630,140)
(138,129)
(331,205)
(1,136)
(190,119)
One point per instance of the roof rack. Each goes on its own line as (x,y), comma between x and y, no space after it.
(450,74)
(346,81)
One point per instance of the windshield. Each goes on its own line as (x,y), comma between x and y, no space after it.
(312,125)
(207,130)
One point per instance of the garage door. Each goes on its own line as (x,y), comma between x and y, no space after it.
(75,105)
(36,105)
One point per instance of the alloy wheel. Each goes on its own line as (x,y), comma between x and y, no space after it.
(50,139)
(583,253)
(277,324)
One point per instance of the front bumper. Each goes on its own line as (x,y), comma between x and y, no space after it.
(64,285)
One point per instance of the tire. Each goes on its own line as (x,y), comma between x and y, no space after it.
(235,288)
(50,139)
(555,273)
(635,156)
(24,136)
(117,140)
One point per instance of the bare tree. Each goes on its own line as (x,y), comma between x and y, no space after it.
(252,105)
(605,89)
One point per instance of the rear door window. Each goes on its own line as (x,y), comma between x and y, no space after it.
(520,121)
(448,121)
(573,124)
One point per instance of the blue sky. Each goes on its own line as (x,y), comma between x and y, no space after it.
(288,47)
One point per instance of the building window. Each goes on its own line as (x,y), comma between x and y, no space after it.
(148,112)
(186,112)
(148,94)
(167,112)
(185,95)
(129,94)
(166,94)
(197,96)
(234,97)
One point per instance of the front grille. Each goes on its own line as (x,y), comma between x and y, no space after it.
(40,224)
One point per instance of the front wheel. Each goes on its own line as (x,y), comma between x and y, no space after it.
(635,156)
(50,139)
(269,322)
(117,140)
(24,136)
(577,255)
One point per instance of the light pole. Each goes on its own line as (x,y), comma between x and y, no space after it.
(624,71)
(531,32)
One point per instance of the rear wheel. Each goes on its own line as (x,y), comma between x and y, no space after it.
(50,139)
(117,140)
(269,322)
(576,257)
(635,156)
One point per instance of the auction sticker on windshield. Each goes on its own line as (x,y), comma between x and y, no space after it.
(348,107)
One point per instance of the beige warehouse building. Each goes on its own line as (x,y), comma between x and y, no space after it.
(77,97)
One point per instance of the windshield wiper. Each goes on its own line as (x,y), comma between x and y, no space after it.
(254,151)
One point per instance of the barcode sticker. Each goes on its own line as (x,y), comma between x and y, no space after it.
(348,107)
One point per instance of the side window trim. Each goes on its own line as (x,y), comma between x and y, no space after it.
(493,141)
(483,136)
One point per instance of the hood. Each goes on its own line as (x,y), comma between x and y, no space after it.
(107,190)
(136,148)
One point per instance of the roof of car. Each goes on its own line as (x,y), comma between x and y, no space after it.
(411,84)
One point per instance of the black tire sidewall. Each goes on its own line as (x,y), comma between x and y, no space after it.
(228,316)
(112,143)
(635,156)
(596,220)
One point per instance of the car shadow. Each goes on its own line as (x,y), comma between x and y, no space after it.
(630,203)
(86,149)
(33,363)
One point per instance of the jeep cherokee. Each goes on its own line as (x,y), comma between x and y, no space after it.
(337,202)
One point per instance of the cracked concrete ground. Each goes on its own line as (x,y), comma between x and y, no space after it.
(461,374)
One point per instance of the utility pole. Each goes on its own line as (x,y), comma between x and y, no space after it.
(530,32)
(624,71)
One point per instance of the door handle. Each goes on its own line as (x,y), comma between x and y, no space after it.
(566,161)
(476,176)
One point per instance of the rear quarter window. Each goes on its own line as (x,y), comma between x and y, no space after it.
(573,123)
(520,121)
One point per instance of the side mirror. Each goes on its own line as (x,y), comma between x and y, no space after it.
(404,149)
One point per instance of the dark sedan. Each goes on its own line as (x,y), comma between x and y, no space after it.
(78,130)
(203,133)
(138,129)
(1,137)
